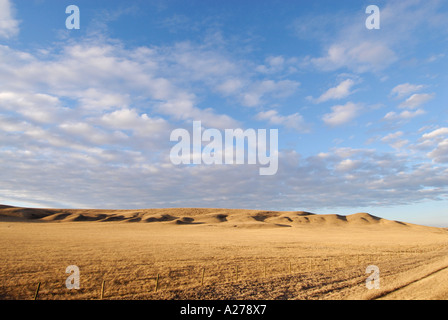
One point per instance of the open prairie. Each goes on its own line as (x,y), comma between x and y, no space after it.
(217,254)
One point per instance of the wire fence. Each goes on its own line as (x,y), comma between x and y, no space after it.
(132,280)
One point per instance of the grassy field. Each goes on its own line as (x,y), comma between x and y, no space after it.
(217,254)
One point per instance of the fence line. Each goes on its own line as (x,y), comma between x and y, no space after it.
(320,264)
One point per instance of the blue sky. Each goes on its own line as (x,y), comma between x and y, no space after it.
(86,115)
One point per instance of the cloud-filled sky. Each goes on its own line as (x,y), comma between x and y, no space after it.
(362,115)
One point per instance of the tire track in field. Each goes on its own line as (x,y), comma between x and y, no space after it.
(394,290)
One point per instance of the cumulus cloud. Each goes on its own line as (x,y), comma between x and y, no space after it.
(130,181)
(362,57)
(91,135)
(404,115)
(273,64)
(199,63)
(183,108)
(405,89)
(38,107)
(294,121)
(94,99)
(9,26)
(102,76)
(342,90)
(341,114)
(416,100)
(254,95)
(437,142)
(347,44)
(413,103)
(440,153)
(395,140)
(130,119)
(347,165)
(230,86)
(436,133)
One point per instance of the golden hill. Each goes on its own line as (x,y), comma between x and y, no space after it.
(194,216)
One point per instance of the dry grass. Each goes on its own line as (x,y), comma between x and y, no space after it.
(279,255)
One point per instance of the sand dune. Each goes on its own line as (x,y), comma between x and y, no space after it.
(239,218)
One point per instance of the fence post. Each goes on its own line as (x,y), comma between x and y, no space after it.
(157,283)
(37,291)
(102,289)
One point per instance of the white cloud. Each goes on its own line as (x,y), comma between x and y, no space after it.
(404,115)
(294,121)
(13,125)
(39,107)
(93,99)
(87,133)
(342,90)
(347,43)
(437,142)
(347,165)
(416,100)
(273,64)
(405,89)
(436,133)
(102,76)
(138,183)
(280,89)
(393,139)
(129,119)
(187,62)
(359,57)
(9,27)
(440,153)
(392,136)
(342,114)
(230,86)
(183,108)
